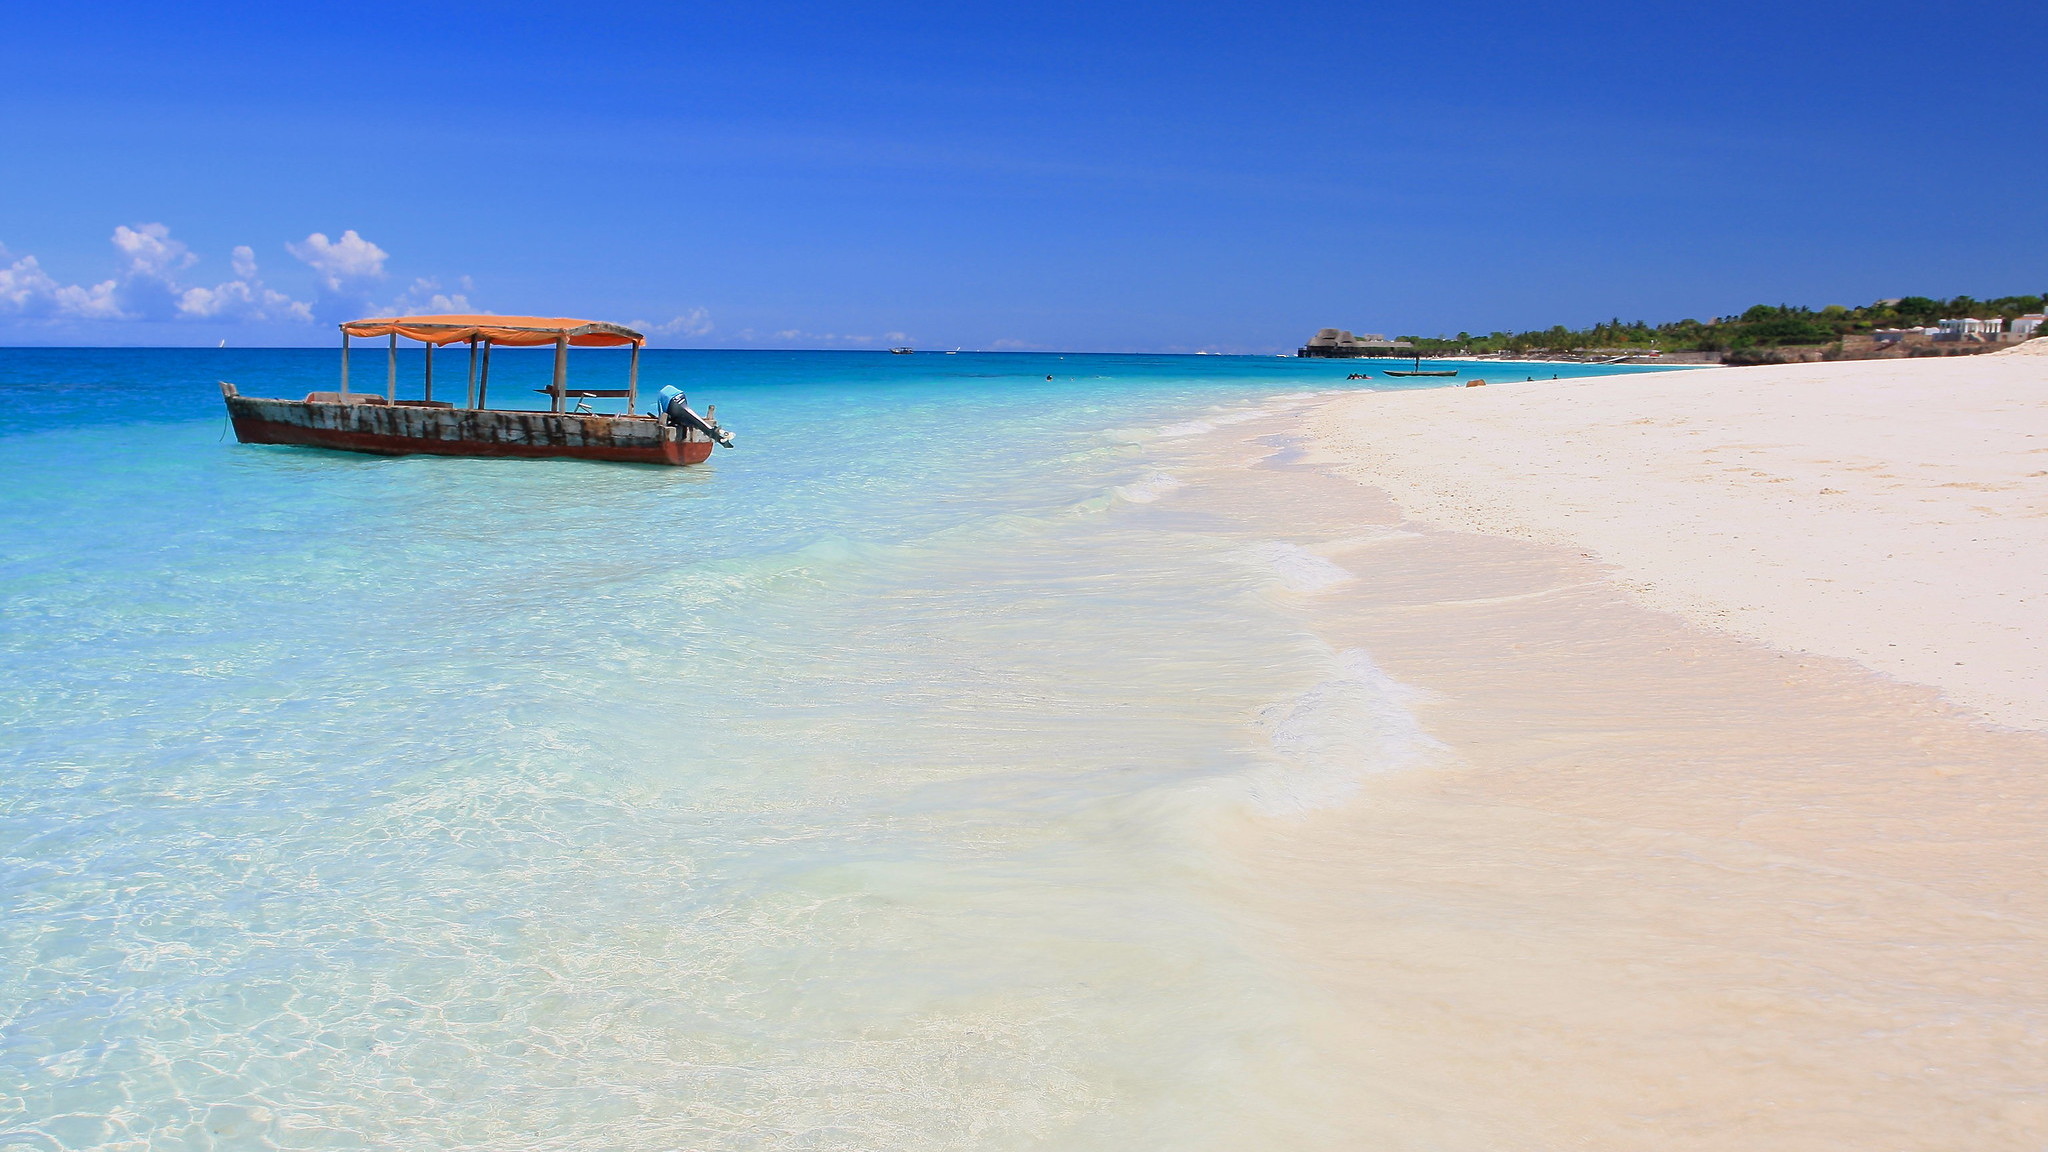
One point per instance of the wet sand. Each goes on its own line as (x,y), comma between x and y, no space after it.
(1661,886)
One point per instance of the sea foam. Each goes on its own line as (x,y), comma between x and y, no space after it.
(1150,488)
(1355,722)
(1300,569)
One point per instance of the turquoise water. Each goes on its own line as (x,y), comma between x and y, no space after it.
(848,792)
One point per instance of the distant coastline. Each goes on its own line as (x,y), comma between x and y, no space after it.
(1901,327)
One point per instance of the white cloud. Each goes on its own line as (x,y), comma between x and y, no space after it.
(148,284)
(695,322)
(151,251)
(786,337)
(146,288)
(25,289)
(101,301)
(243,298)
(426,297)
(341,264)
(347,270)
(28,291)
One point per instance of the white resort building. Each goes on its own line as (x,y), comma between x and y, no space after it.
(1966,327)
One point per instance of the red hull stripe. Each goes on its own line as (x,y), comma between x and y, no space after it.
(250,430)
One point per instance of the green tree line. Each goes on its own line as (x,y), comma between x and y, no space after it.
(1764,326)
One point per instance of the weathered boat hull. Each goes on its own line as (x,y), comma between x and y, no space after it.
(369,424)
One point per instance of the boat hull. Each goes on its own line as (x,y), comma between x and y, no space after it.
(369,424)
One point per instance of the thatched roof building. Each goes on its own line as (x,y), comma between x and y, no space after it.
(1340,343)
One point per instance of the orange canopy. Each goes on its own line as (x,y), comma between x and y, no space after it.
(514,330)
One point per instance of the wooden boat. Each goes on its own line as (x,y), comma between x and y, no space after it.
(386,425)
(1418,371)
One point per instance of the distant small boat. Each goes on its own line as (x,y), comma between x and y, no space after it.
(1420,371)
(901,351)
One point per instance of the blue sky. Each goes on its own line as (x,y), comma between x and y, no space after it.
(1101,176)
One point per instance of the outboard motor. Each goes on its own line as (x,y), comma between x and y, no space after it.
(675,409)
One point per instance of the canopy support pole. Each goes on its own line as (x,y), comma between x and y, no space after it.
(430,369)
(344,365)
(633,382)
(561,383)
(391,371)
(483,384)
(472,371)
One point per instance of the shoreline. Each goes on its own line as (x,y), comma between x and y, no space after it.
(1654,883)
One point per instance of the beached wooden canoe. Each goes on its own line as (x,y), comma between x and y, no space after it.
(354,421)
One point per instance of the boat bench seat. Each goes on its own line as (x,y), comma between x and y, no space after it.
(336,398)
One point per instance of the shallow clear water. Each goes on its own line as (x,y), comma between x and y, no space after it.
(848,792)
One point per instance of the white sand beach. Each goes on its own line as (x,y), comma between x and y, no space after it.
(1890,512)
(1730,838)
